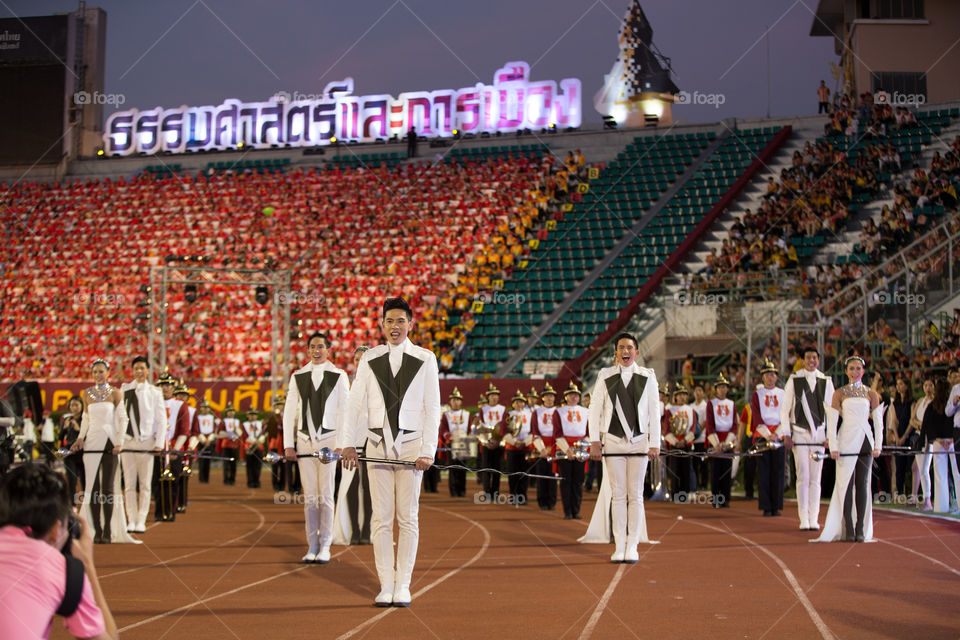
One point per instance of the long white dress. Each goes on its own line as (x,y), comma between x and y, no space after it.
(856,414)
(600,529)
(102,427)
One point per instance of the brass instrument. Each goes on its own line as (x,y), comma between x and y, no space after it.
(488,436)
(579,451)
(679,426)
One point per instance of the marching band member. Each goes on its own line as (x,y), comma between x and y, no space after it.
(766,426)
(746,437)
(312,417)
(533,399)
(855,403)
(273,425)
(517,445)
(228,443)
(182,393)
(679,424)
(395,406)
(544,442)
(721,431)
(570,427)
(454,431)
(491,455)
(206,439)
(701,472)
(146,428)
(624,421)
(806,395)
(255,438)
(177,433)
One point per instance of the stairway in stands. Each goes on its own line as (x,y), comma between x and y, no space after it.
(602,212)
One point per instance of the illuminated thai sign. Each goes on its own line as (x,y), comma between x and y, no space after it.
(510,104)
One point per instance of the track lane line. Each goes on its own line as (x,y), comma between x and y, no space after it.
(483,548)
(818,622)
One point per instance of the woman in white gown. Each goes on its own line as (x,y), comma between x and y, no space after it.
(104,423)
(854,448)
(351,516)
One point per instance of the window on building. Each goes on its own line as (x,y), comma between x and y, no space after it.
(897,84)
(890,9)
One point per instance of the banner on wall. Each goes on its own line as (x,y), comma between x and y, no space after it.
(256,394)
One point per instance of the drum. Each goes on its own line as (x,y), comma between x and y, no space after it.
(463,447)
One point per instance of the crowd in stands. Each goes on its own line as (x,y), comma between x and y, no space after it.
(451,319)
(74,281)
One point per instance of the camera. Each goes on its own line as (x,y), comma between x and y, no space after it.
(73,531)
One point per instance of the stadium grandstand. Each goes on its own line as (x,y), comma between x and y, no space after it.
(524,252)
(558,260)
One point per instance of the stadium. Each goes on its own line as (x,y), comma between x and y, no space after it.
(533,223)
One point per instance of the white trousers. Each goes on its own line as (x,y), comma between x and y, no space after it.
(626,484)
(317,480)
(136,467)
(394,493)
(942,465)
(808,475)
(922,462)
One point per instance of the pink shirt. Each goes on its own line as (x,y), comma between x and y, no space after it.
(32,583)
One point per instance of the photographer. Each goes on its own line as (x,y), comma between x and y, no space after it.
(35,581)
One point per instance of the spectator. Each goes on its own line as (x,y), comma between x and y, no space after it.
(34,517)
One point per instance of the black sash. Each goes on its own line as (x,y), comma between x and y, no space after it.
(629,398)
(316,399)
(814,398)
(130,399)
(394,388)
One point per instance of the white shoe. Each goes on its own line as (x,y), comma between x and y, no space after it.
(618,555)
(323,556)
(401,597)
(385,597)
(131,528)
(140,529)
(310,557)
(631,556)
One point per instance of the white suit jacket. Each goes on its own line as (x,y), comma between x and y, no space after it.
(153,414)
(333,409)
(648,408)
(419,416)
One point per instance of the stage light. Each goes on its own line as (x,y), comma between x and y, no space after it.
(190,292)
(239,145)
(99,152)
(261,295)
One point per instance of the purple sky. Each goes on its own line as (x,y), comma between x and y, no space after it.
(198,52)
